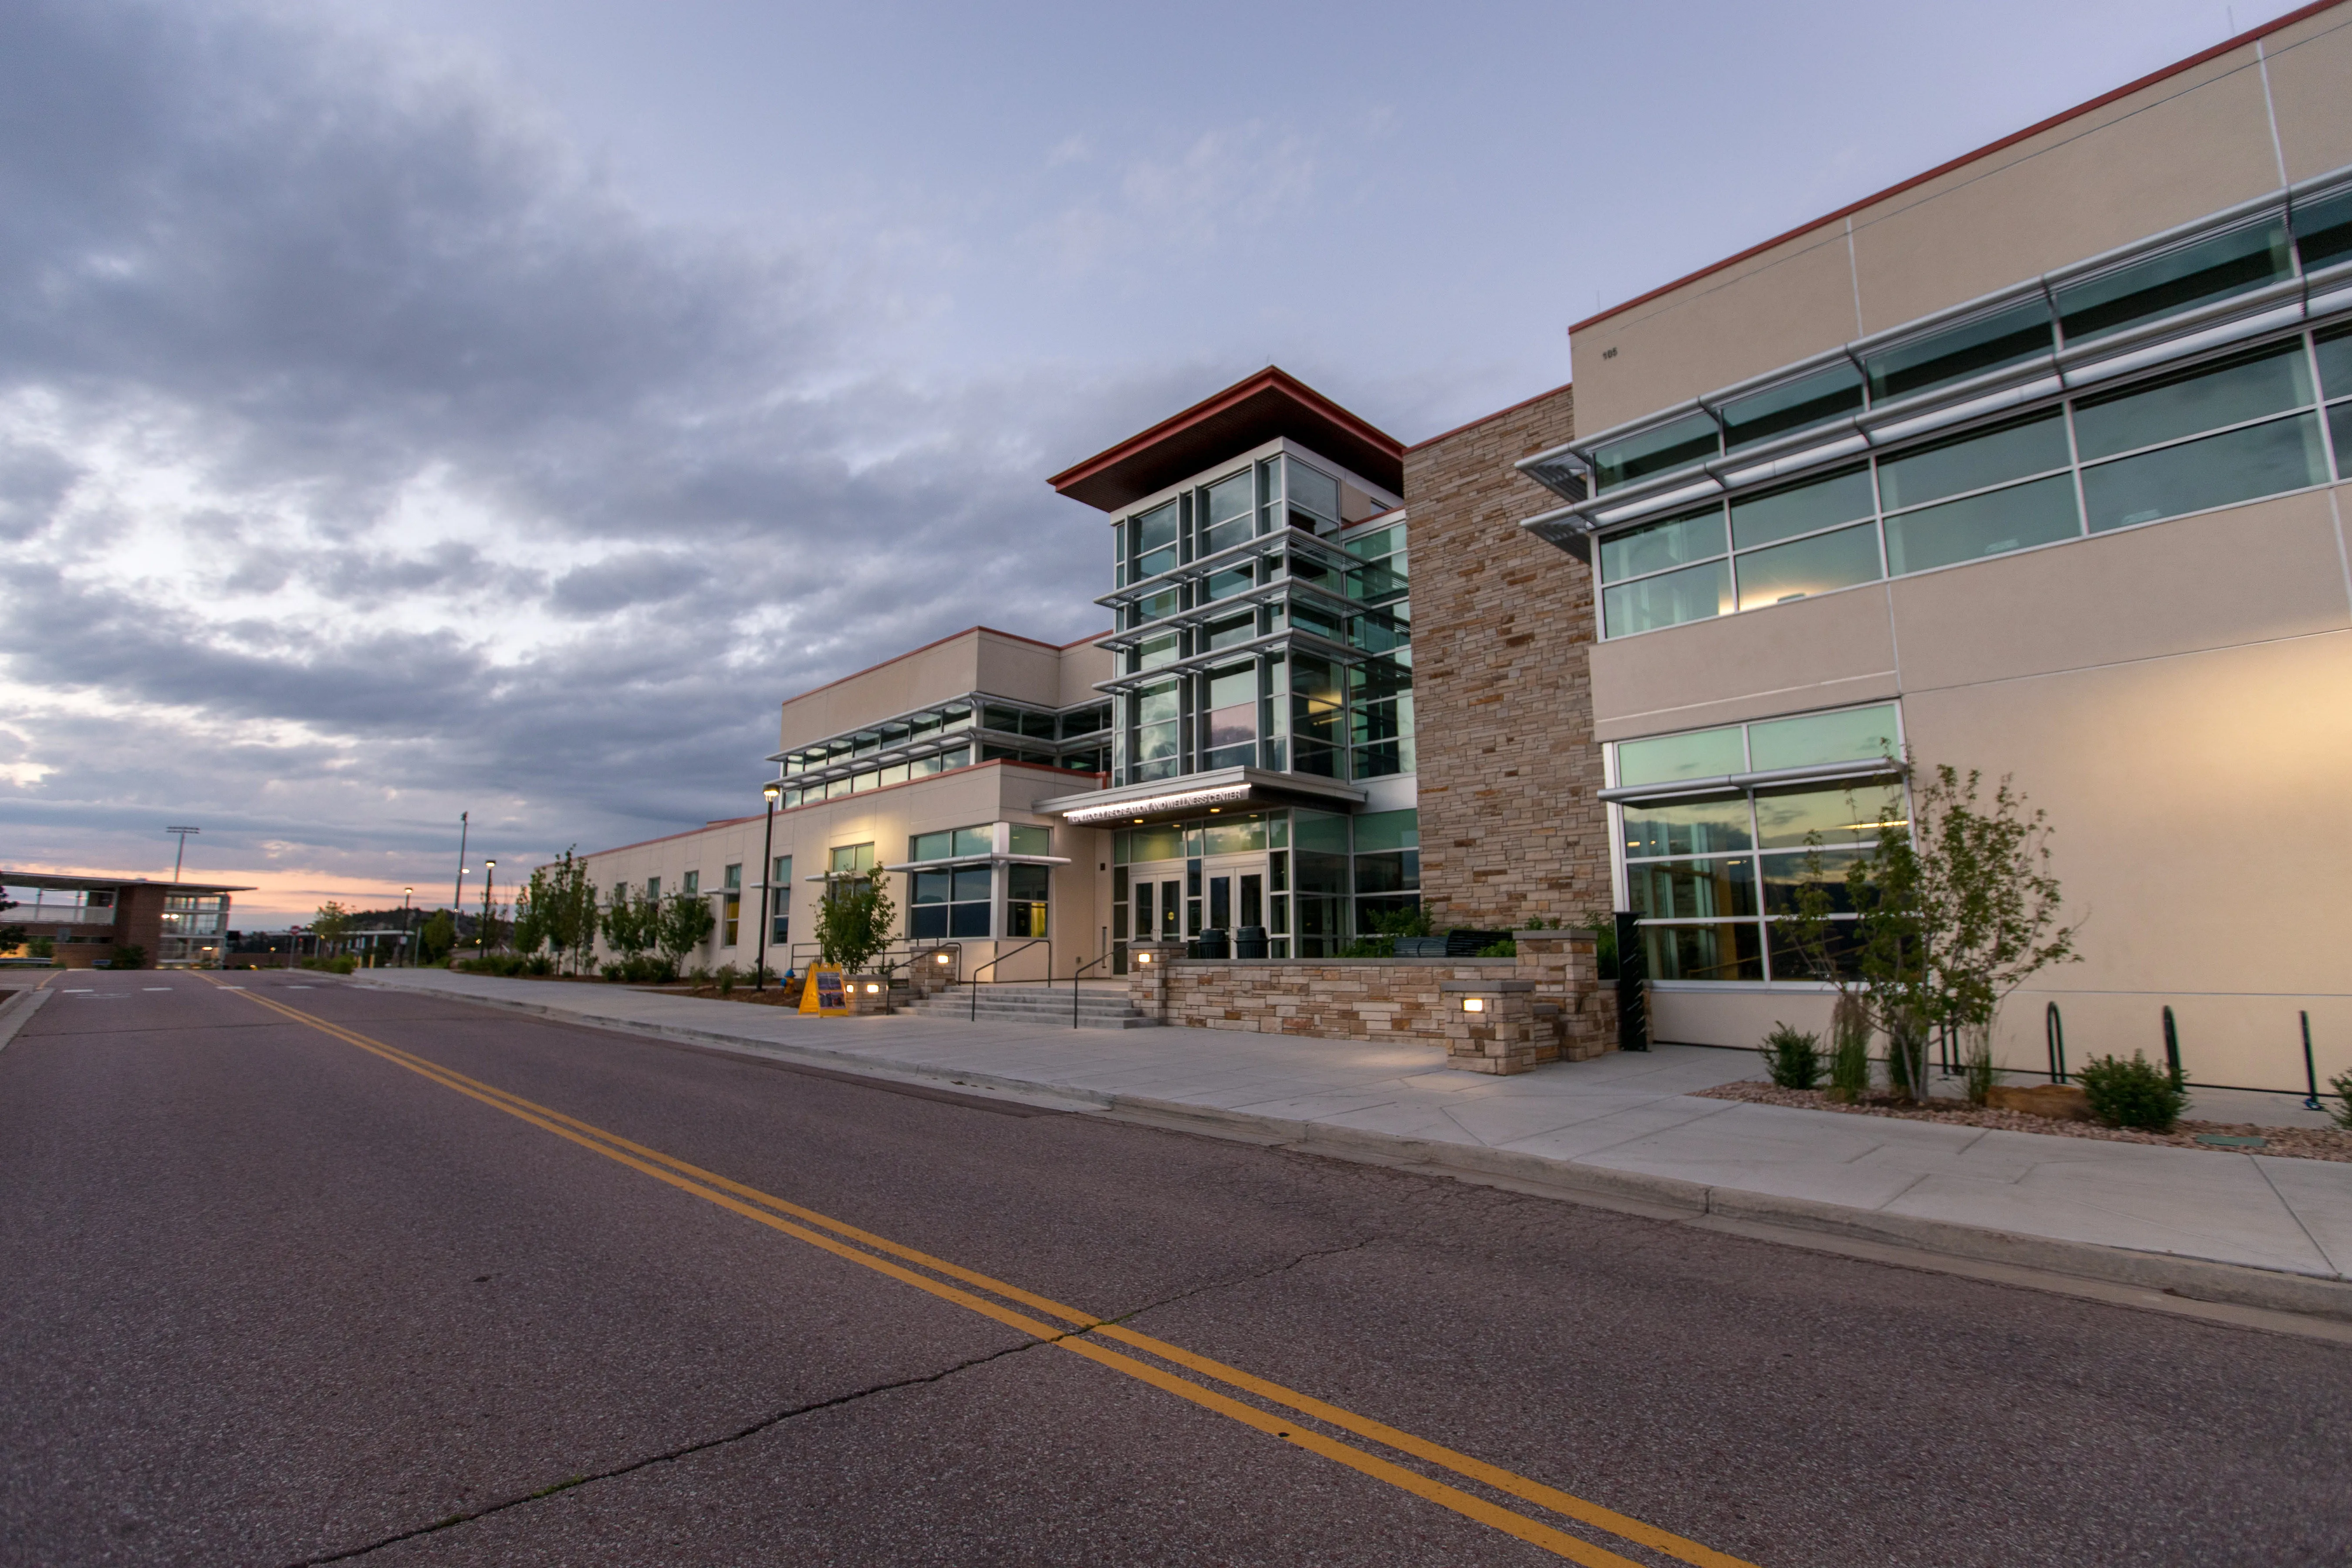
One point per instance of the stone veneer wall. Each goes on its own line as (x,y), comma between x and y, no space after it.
(1402,999)
(1503,700)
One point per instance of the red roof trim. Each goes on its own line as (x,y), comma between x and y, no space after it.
(2223,47)
(1272,377)
(1490,418)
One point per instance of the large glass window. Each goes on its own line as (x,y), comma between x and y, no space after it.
(1708,875)
(2323,229)
(1229,512)
(1318,717)
(2234,430)
(950,902)
(2198,272)
(1793,405)
(1687,441)
(1153,540)
(1025,900)
(1230,717)
(1954,353)
(779,901)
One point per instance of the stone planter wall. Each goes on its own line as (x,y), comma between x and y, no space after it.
(1568,1013)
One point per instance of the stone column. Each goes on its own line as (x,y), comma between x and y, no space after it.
(1147,978)
(1490,1026)
(1566,970)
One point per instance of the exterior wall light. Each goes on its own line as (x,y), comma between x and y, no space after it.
(1142,958)
(939,958)
(1474,1004)
(872,989)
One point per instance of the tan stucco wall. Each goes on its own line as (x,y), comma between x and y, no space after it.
(975,660)
(886,818)
(2175,150)
(2178,697)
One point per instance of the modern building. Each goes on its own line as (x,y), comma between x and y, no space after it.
(176,925)
(1235,756)
(2033,465)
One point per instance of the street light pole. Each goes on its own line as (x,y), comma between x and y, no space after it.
(767,895)
(489,875)
(407,941)
(458,893)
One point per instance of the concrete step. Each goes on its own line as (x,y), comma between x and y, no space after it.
(1042,1005)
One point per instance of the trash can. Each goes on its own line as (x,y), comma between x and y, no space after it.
(1213,944)
(1250,943)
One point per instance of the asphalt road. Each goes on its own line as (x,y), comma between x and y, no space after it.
(274,1293)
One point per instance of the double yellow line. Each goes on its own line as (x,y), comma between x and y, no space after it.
(1084,1331)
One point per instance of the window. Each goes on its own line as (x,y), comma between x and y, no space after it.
(1707,873)
(653,890)
(779,901)
(2232,430)
(1388,865)
(948,901)
(1687,441)
(1153,539)
(953,843)
(2198,272)
(1229,512)
(1024,898)
(1317,716)
(1229,721)
(2262,456)
(692,885)
(1955,353)
(730,918)
(1030,839)
(1793,405)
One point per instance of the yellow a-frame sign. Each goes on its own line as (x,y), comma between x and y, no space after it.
(824,990)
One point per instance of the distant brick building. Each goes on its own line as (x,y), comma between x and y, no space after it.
(174,924)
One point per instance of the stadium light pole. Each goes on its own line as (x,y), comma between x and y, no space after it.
(182,854)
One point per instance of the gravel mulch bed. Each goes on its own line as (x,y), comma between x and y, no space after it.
(2292,1143)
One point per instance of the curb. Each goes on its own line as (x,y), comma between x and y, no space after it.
(1662,1197)
(20,1005)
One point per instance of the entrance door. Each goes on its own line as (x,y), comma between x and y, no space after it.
(1171,906)
(1253,900)
(1220,904)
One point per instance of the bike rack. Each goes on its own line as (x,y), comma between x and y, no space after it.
(2054,1033)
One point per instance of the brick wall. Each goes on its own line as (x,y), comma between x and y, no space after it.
(1502,696)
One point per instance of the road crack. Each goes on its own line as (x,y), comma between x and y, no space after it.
(1266,1273)
(684,1451)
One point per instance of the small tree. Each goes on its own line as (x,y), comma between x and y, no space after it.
(331,925)
(632,923)
(1955,908)
(854,922)
(530,921)
(686,924)
(437,937)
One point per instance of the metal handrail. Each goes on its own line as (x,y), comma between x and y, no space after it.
(1047,943)
(1091,962)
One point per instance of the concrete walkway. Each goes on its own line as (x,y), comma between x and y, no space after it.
(1624,1129)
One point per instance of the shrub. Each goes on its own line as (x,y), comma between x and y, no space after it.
(641,969)
(1791,1057)
(1507,947)
(727,980)
(2135,1093)
(1603,927)
(1978,1074)
(41,947)
(343,964)
(1849,1050)
(2342,1084)
(129,955)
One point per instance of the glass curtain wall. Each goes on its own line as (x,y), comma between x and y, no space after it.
(1321,678)
(1707,873)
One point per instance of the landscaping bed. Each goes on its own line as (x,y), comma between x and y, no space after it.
(2290,1142)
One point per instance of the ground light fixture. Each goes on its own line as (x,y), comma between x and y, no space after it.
(1144,957)
(1474,1004)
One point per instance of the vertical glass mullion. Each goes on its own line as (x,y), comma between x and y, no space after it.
(2074,470)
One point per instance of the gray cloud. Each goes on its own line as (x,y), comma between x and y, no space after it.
(505,497)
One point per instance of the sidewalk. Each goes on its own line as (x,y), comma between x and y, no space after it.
(1622,1128)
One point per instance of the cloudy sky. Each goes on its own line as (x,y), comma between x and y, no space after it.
(425,405)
